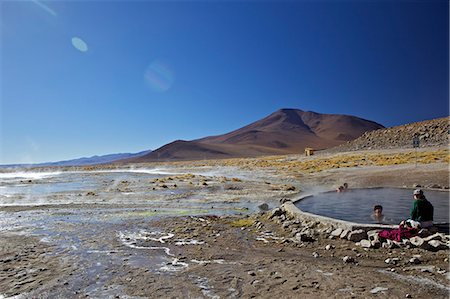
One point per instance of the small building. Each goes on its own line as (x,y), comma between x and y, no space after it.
(309,151)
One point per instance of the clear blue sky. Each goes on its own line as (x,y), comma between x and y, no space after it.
(82,78)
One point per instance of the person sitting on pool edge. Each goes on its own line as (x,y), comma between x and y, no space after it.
(422,210)
(378,213)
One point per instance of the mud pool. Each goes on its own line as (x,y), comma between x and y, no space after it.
(357,205)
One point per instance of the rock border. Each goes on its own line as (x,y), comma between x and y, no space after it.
(306,227)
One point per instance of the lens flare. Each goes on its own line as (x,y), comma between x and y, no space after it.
(159,76)
(79,44)
(44,7)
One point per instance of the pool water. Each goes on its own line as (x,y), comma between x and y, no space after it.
(357,205)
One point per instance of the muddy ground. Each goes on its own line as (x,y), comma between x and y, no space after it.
(166,249)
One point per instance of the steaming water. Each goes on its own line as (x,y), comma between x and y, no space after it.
(35,188)
(100,239)
(357,205)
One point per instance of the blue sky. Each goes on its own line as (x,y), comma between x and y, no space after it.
(81,78)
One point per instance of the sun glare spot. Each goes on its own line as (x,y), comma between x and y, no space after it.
(79,44)
(159,76)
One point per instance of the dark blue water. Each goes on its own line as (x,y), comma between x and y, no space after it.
(357,205)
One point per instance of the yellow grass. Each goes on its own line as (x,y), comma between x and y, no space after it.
(345,160)
(242,222)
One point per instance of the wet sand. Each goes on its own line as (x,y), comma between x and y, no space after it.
(201,236)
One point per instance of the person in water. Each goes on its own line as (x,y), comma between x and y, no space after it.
(342,188)
(378,213)
(422,210)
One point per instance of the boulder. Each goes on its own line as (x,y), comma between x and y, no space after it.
(424,233)
(373,235)
(392,261)
(435,245)
(417,241)
(357,235)
(337,232)
(263,207)
(365,243)
(304,237)
(436,236)
(348,259)
(276,212)
(344,234)
(375,243)
(390,244)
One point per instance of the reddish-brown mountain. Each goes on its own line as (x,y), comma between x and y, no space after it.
(283,132)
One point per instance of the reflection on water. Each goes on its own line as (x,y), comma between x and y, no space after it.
(357,205)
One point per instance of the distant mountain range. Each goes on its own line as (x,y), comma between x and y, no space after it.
(94,160)
(285,131)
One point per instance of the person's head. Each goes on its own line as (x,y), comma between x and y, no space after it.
(418,194)
(378,210)
(345,185)
(340,189)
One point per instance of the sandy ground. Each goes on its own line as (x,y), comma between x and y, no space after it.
(196,243)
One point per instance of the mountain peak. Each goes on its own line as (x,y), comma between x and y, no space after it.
(288,110)
(284,131)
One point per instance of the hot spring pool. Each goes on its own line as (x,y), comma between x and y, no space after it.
(357,205)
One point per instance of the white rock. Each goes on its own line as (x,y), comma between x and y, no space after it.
(435,245)
(378,289)
(436,236)
(337,232)
(365,243)
(348,259)
(373,235)
(344,234)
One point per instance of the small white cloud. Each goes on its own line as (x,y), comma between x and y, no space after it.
(79,44)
